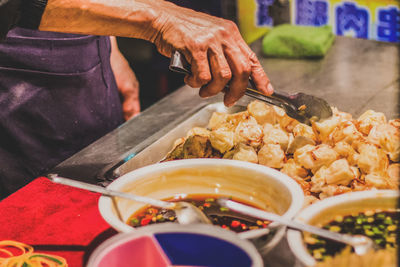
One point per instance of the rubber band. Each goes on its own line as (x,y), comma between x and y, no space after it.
(27,257)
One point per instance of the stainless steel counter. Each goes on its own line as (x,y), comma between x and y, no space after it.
(354,76)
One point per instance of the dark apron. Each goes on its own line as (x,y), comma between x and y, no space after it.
(57,95)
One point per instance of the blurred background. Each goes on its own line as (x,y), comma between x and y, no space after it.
(368,19)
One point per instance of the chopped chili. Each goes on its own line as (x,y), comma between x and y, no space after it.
(380,226)
(218,215)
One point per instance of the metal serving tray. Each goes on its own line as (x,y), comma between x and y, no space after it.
(158,150)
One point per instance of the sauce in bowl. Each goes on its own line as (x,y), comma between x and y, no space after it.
(217,214)
(380,226)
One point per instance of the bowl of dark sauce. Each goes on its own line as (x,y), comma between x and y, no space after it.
(202,182)
(370,213)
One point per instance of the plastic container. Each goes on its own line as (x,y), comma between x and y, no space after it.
(176,245)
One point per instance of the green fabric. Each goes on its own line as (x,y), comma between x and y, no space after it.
(292,41)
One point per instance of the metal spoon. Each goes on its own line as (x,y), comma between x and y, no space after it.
(186,213)
(300,106)
(360,243)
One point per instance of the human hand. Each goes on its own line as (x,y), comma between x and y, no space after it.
(126,80)
(214,48)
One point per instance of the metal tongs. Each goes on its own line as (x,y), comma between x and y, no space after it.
(302,107)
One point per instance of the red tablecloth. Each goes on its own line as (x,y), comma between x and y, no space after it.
(55,219)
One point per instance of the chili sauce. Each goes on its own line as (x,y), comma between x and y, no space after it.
(217,214)
(381,227)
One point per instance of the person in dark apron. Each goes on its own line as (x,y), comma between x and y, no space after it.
(67,100)
(57,95)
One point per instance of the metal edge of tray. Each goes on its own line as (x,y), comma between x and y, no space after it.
(156,147)
(108,172)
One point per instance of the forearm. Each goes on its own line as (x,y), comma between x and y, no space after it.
(128,18)
(213,46)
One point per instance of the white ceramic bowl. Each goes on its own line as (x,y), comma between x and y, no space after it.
(252,183)
(326,210)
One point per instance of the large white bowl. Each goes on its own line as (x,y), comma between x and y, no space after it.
(326,210)
(265,187)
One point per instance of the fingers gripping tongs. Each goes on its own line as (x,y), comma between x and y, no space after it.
(299,106)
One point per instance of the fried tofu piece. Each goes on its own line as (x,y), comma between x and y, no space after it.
(217,120)
(303,156)
(378,180)
(324,128)
(298,142)
(271,155)
(236,118)
(302,129)
(314,157)
(342,116)
(333,190)
(294,170)
(340,173)
(262,112)
(372,159)
(346,151)
(273,134)
(345,131)
(323,155)
(287,123)
(244,153)
(222,139)
(318,180)
(369,119)
(249,133)
(386,137)
(393,172)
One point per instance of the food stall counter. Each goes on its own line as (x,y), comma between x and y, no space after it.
(354,76)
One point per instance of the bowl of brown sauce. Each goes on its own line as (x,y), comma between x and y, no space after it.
(370,213)
(202,182)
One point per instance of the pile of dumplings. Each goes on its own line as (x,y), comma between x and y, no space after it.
(331,157)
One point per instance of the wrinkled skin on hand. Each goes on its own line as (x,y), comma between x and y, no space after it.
(126,80)
(216,51)
(213,46)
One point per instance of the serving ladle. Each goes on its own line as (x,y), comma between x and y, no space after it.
(360,243)
(185,212)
